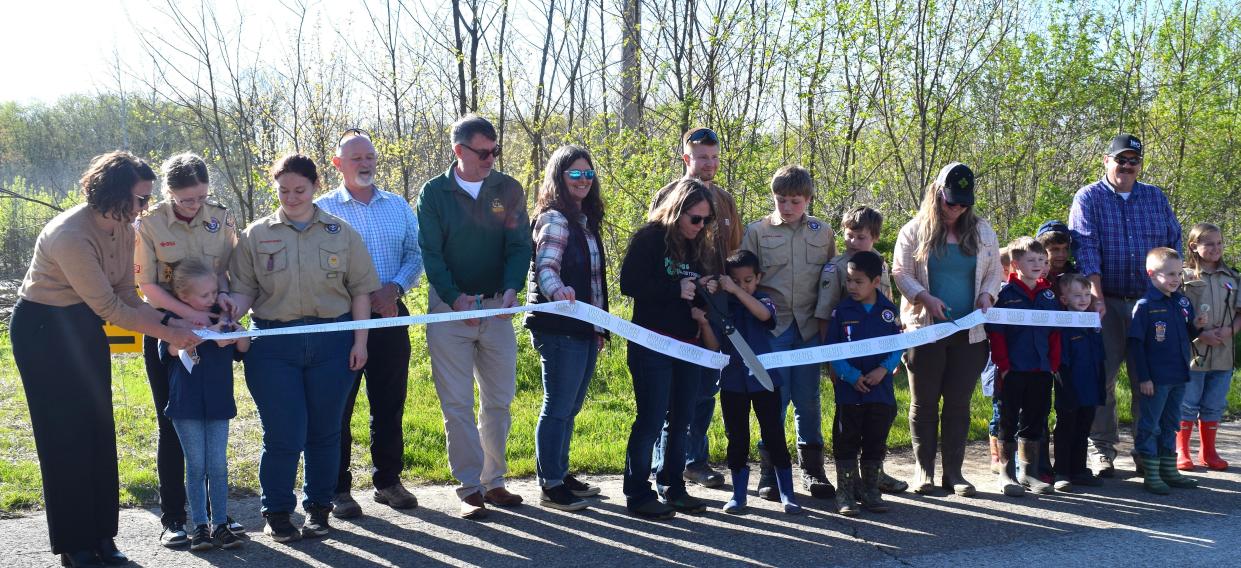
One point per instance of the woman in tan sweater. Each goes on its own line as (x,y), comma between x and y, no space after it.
(946,264)
(82,274)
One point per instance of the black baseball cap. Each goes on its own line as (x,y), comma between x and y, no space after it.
(1124,142)
(957,180)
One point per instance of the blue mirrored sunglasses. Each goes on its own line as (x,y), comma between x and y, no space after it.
(579,174)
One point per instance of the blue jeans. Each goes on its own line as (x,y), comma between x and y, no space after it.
(1158,421)
(299,384)
(697,447)
(993,426)
(568,363)
(205,443)
(802,389)
(1206,395)
(663,387)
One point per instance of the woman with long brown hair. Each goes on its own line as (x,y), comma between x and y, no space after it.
(668,258)
(568,264)
(946,264)
(82,274)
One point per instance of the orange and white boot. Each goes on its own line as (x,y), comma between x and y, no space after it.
(1207,455)
(1184,461)
(995,455)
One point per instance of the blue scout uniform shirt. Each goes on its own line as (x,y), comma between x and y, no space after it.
(1082,374)
(207,392)
(1025,347)
(736,376)
(855,321)
(1159,337)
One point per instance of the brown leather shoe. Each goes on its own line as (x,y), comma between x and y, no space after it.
(396,496)
(472,507)
(500,496)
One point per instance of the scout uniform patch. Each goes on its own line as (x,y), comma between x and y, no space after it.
(1161,331)
(332,228)
(212,225)
(888,316)
(496,206)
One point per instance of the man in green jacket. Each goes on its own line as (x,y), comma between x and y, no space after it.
(475,239)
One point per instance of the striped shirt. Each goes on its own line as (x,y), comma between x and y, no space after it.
(1111,234)
(389,229)
(551,236)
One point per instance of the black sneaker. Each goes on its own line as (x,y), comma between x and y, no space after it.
(686,503)
(279,528)
(224,537)
(235,527)
(654,510)
(202,539)
(173,535)
(316,520)
(580,488)
(560,497)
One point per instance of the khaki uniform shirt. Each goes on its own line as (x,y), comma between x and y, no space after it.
(792,256)
(832,285)
(1220,289)
(295,274)
(164,241)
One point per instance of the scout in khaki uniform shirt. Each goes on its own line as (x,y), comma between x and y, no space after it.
(294,274)
(792,248)
(165,240)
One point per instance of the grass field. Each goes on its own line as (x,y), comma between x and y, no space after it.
(598,444)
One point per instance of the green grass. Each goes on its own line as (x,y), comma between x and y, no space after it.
(598,444)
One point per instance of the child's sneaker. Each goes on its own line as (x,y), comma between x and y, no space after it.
(224,537)
(316,521)
(202,539)
(174,535)
(280,528)
(1063,483)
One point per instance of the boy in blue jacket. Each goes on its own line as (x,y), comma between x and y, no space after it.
(1026,358)
(1163,325)
(1079,388)
(865,402)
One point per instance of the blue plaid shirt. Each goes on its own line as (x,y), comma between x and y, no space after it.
(389,229)
(1111,235)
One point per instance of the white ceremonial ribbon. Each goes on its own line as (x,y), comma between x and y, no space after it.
(576,310)
(929,334)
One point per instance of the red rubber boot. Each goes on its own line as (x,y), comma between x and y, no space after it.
(1207,455)
(1184,461)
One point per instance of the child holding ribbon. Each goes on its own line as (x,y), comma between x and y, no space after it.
(1211,286)
(200,404)
(1079,388)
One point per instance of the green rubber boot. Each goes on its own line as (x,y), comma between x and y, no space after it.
(1150,476)
(1171,476)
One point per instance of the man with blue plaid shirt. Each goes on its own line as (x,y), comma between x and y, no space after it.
(1115,222)
(390,230)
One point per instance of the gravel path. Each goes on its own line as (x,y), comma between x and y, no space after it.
(1118,524)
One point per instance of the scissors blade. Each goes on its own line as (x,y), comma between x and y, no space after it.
(751,360)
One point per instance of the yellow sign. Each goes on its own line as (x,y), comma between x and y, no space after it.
(122,340)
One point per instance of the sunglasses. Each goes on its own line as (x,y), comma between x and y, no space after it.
(700,219)
(143,199)
(352,132)
(703,135)
(1127,161)
(579,174)
(483,154)
(951,204)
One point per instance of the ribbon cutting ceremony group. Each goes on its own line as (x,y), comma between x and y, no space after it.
(753,314)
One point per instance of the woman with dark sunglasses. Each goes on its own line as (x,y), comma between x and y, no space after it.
(82,274)
(668,259)
(568,264)
(946,263)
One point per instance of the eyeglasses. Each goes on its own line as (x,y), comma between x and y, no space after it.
(703,135)
(483,154)
(1127,161)
(951,204)
(579,174)
(143,199)
(351,133)
(700,219)
(192,201)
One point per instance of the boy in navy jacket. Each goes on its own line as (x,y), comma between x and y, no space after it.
(1163,325)
(1079,388)
(865,402)
(1026,358)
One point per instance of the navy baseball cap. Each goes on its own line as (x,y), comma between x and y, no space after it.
(957,180)
(1124,142)
(1052,226)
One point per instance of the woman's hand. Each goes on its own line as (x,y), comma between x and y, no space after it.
(983,302)
(711,283)
(183,339)
(931,304)
(687,288)
(357,356)
(227,305)
(196,318)
(565,293)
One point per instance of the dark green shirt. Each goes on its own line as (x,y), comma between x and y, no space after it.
(473,246)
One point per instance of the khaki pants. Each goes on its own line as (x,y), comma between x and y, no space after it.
(1105,433)
(460,355)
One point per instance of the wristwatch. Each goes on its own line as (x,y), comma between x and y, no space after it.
(167,316)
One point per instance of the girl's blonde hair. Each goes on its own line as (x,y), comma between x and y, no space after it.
(1192,260)
(186,272)
(685,194)
(933,233)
